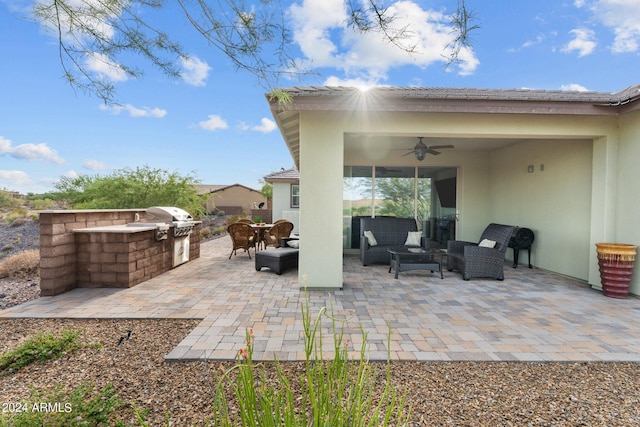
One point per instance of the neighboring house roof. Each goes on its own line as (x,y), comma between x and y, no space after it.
(204,189)
(288,175)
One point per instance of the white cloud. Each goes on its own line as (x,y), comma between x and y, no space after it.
(319,28)
(105,68)
(31,152)
(361,83)
(12,179)
(134,111)
(70,174)
(622,17)
(583,42)
(574,87)
(213,122)
(93,165)
(266,126)
(195,71)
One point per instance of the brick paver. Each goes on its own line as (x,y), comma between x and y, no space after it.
(532,315)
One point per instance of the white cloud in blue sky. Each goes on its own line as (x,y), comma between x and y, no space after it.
(105,68)
(195,71)
(266,126)
(134,111)
(622,17)
(325,41)
(30,152)
(16,178)
(213,123)
(583,42)
(93,165)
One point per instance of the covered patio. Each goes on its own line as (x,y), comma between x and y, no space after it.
(533,315)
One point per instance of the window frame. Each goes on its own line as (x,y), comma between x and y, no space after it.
(295,195)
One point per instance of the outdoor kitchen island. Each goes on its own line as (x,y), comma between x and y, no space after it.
(113,248)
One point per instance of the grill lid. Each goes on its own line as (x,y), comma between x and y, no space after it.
(169,213)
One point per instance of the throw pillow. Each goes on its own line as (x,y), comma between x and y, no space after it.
(486,243)
(294,244)
(372,240)
(413,238)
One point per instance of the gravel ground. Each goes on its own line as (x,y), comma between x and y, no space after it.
(15,239)
(440,393)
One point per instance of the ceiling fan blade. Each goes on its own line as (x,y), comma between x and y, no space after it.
(433,152)
(410,152)
(438,147)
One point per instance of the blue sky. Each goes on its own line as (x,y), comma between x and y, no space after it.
(215,123)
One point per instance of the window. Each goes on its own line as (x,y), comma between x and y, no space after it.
(295,195)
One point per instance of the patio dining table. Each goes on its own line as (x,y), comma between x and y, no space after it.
(260,228)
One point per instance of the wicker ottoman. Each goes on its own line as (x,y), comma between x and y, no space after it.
(277,260)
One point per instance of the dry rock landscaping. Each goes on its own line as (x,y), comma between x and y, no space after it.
(181,393)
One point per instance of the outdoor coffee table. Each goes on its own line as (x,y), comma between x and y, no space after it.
(405,259)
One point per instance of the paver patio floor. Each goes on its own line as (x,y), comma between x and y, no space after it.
(532,315)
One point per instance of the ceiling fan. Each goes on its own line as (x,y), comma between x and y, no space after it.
(421,150)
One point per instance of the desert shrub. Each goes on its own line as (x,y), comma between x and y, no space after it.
(205,232)
(7,201)
(221,213)
(18,214)
(219,230)
(41,204)
(22,264)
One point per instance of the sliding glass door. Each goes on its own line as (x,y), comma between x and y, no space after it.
(424,193)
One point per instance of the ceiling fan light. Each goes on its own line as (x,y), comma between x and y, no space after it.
(420,153)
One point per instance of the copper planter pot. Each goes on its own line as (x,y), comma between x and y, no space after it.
(615,261)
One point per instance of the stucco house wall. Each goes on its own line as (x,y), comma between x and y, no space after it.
(281,202)
(587,192)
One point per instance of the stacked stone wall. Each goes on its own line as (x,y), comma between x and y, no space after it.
(71,259)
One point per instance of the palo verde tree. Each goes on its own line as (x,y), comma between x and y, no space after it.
(253,35)
(127,188)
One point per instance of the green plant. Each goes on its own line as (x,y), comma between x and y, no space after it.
(221,213)
(132,188)
(42,204)
(41,347)
(8,201)
(337,392)
(81,407)
(219,230)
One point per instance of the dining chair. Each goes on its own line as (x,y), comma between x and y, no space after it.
(242,237)
(280,229)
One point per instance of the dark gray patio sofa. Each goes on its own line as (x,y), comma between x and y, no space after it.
(389,232)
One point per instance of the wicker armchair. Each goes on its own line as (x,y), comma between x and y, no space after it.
(473,260)
(242,236)
(245,221)
(275,234)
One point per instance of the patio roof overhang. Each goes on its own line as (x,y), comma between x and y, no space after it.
(445,100)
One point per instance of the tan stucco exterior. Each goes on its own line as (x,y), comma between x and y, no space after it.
(235,196)
(586,191)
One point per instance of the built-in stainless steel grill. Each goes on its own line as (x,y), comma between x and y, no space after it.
(182,223)
(181,220)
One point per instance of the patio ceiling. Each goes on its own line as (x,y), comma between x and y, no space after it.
(364,142)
